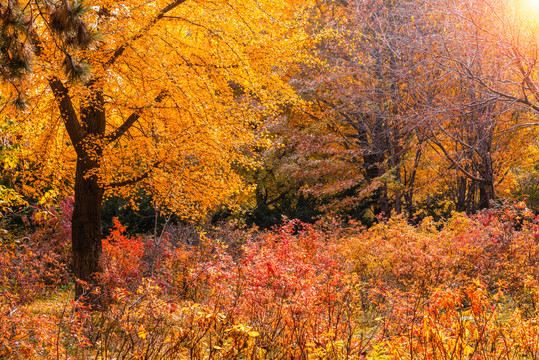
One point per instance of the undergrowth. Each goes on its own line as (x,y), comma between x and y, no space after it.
(466,288)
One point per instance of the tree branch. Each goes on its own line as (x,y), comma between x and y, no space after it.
(470,75)
(526,75)
(65,105)
(454,162)
(282,195)
(122,129)
(68,113)
(120,50)
(132,180)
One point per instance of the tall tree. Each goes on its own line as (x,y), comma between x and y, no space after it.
(157,95)
(476,120)
(372,78)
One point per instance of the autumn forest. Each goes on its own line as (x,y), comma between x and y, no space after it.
(255,179)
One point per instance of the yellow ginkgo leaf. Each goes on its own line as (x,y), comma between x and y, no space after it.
(142,333)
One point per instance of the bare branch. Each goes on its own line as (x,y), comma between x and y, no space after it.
(457,165)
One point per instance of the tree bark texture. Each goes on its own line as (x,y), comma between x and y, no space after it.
(86,221)
(86,228)
(86,135)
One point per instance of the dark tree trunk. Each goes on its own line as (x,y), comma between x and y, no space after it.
(471,197)
(398,202)
(462,188)
(86,226)
(486,189)
(86,221)
(486,195)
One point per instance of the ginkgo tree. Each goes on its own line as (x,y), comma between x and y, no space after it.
(133,96)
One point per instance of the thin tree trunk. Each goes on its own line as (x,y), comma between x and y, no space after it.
(486,190)
(398,202)
(409,195)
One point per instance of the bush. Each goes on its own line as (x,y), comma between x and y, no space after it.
(38,263)
(463,288)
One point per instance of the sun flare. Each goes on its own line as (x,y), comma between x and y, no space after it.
(527,11)
(532,5)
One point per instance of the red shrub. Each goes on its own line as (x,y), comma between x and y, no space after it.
(292,285)
(121,261)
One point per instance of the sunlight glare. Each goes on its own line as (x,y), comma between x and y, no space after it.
(533,5)
(528,12)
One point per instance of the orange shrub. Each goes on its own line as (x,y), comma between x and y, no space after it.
(121,260)
(467,287)
(500,247)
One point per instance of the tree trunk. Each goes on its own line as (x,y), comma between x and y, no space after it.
(471,197)
(86,228)
(409,195)
(462,188)
(486,195)
(486,189)
(87,135)
(86,221)
(398,202)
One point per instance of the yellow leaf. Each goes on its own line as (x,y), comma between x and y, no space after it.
(468,350)
(19,337)
(142,333)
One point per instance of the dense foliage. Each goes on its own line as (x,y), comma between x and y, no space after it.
(285,179)
(465,287)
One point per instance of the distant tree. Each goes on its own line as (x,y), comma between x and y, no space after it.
(479,121)
(372,78)
(397,112)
